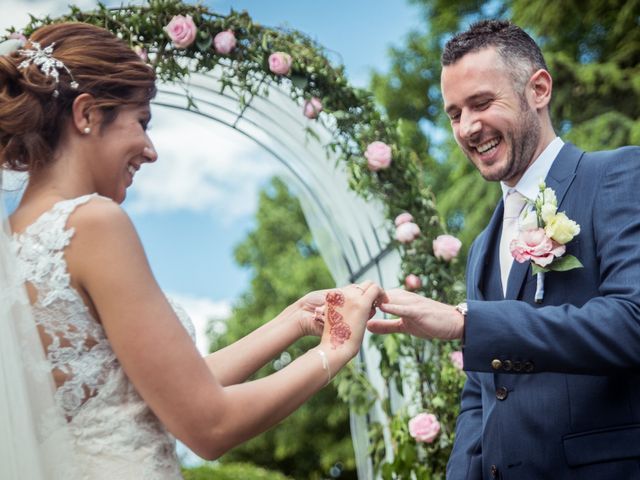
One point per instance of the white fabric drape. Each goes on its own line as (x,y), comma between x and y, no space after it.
(34,439)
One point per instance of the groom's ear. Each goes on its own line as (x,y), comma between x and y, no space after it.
(540,87)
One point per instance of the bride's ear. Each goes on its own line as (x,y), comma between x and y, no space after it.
(86,116)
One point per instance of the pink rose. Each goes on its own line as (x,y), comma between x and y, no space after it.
(534,245)
(424,427)
(224,42)
(280,63)
(446,247)
(407,232)
(412,282)
(141,52)
(312,108)
(18,36)
(181,30)
(456,359)
(378,156)
(403,218)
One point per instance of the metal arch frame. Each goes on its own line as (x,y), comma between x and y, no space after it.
(352,256)
(365,249)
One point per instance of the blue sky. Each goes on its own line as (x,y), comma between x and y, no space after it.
(198,200)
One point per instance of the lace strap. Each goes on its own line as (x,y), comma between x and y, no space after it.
(49,230)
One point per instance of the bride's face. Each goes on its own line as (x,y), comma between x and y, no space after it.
(122,148)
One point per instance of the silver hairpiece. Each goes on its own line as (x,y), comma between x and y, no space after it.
(48,64)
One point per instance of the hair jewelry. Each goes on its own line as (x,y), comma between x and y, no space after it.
(48,64)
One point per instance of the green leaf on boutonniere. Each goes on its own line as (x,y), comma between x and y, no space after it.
(567,262)
(535,269)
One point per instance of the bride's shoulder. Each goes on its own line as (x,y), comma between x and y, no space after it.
(99,220)
(97,211)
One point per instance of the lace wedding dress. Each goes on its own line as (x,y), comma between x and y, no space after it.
(113,433)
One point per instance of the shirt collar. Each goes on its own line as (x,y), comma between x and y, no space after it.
(528,185)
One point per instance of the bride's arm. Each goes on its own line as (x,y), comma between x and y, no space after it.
(107,260)
(236,362)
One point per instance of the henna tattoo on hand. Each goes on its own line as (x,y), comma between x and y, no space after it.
(335,299)
(333,316)
(339,331)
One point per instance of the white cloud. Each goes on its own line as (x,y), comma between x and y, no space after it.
(202,311)
(17,14)
(202,166)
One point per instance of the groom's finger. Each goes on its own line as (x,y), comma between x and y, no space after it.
(397,310)
(385,326)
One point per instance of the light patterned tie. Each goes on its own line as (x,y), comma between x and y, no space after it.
(513,205)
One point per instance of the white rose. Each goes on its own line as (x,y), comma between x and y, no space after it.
(561,229)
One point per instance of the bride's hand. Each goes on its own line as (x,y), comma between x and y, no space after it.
(311,316)
(346,314)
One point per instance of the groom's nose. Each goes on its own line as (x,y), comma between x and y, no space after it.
(470,125)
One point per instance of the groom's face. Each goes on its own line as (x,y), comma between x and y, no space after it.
(492,121)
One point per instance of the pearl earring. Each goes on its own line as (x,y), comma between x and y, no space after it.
(86,130)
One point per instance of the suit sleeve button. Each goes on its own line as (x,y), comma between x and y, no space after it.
(528,367)
(496,364)
(502,393)
(517,366)
(507,365)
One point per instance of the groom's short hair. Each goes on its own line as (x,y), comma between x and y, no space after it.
(516,48)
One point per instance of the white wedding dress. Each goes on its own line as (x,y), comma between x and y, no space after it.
(113,433)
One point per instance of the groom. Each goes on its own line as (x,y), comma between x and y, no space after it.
(553,389)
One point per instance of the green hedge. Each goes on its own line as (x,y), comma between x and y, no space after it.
(231,471)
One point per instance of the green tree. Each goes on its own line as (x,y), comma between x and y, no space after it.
(592,48)
(285,265)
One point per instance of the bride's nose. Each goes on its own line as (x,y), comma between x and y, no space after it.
(150,154)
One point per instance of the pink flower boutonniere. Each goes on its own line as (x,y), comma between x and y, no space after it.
(544,233)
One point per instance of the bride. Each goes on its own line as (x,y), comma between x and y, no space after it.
(99,371)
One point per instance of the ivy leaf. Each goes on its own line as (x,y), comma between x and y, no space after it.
(312,133)
(204,44)
(299,81)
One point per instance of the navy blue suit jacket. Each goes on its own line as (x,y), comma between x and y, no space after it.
(553,390)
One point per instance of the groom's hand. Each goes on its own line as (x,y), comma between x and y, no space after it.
(418,316)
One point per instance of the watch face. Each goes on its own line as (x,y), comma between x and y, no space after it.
(462,308)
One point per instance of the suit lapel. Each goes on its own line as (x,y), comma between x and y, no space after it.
(482,251)
(559,178)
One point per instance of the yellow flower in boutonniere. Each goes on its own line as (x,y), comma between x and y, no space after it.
(561,229)
(544,232)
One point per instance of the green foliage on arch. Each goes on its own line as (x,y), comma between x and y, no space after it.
(428,378)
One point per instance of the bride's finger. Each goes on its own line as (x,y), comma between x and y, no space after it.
(362,287)
(373,293)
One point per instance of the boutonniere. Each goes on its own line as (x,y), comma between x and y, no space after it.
(543,235)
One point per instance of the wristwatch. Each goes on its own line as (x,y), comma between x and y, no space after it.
(462,308)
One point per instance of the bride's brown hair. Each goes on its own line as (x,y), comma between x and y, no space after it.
(32,116)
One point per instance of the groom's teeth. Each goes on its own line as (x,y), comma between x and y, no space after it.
(488,145)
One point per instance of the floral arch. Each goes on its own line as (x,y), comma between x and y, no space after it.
(361,189)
